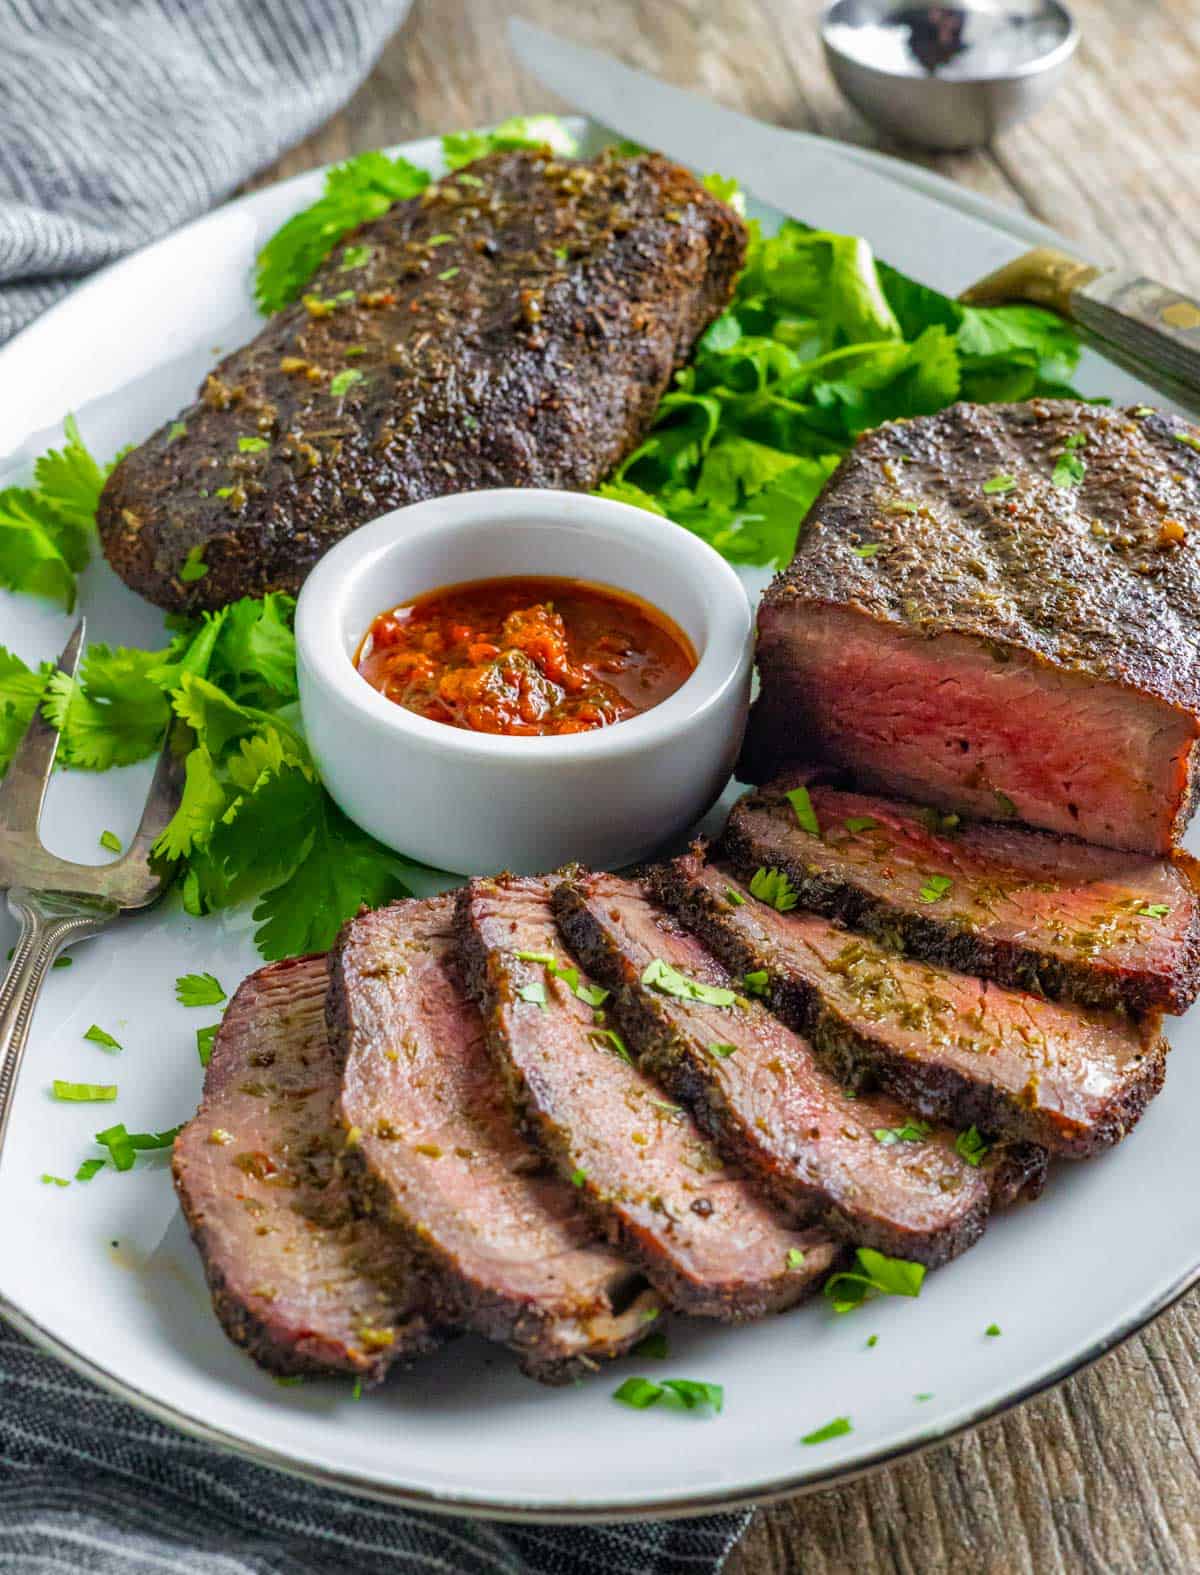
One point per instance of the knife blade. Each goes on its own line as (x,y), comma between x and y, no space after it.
(1148,328)
(789,170)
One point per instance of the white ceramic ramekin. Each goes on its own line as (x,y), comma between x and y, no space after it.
(475,803)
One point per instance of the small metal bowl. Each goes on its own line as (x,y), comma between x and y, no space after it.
(942,97)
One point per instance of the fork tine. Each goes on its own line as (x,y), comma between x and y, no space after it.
(24,786)
(166,790)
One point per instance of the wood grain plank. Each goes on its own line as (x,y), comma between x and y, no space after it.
(1103,1473)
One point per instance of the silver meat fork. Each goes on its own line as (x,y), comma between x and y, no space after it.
(58,902)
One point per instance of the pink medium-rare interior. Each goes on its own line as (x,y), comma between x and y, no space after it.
(947,720)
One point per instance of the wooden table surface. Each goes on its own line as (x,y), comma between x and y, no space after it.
(1102,1473)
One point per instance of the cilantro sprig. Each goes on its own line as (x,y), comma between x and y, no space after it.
(47,530)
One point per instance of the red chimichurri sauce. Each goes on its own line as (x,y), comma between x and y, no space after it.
(527,657)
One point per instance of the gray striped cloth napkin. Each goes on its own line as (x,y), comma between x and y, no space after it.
(119,120)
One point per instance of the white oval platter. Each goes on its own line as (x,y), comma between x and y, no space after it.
(104,1274)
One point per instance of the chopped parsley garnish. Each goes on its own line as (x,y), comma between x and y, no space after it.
(253,445)
(993,1329)
(610,1039)
(838,1428)
(221,492)
(638,1393)
(449,273)
(677,1394)
(89,1168)
(880,1276)
(668,1110)
(806,815)
(857,823)
(868,550)
(54,1181)
(177,429)
(1153,910)
(722,1052)
(342,382)
(465,178)
(441,239)
(1069,469)
(194,567)
(533,993)
(669,981)
(1004,804)
(84,1093)
(1000,483)
(97,1036)
(910,1132)
(62,962)
(872,1341)
(756,982)
(354,257)
(935,888)
(795,1258)
(204,1042)
(970,1145)
(1143,411)
(1188,438)
(537,957)
(198,989)
(110,840)
(124,1146)
(735,897)
(578,1177)
(921,1398)
(774,888)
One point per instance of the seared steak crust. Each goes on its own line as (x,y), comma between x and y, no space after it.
(757,1090)
(440,1158)
(656,1186)
(1032,648)
(297,1279)
(1043,913)
(514,326)
(949,1046)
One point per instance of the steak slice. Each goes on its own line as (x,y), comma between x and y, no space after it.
(297,1278)
(1032,650)
(439,1155)
(654,1182)
(1023,907)
(514,326)
(757,1089)
(950,1046)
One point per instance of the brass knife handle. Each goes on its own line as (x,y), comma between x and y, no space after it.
(1155,326)
(1150,330)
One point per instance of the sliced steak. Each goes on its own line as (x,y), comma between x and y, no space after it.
(757,1087)
(654,1182)
(1023,907)
(514,326)
(296,1277)
(958,628)
(441,1158)
(950,1046)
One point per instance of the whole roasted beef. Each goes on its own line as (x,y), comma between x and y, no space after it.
(655,1184)
(1023,907)
(514,326)
(439,1156)
(995,610)
(758,1090)
(297,1278)
(948,1045)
